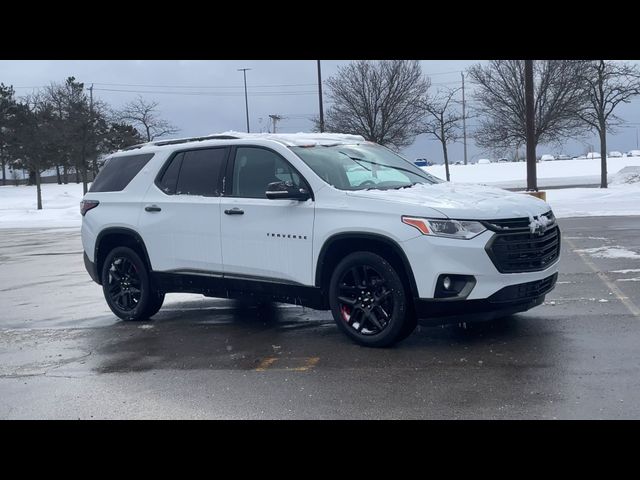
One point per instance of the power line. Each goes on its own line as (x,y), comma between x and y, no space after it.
(204,86)
(446,83)
(443,73)
(212,94)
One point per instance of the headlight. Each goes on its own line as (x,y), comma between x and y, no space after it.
(463,229)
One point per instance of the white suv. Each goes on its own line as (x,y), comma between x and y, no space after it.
(326,221)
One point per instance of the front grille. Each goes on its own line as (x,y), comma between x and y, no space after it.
(516,224)
(523,251)
(524,291)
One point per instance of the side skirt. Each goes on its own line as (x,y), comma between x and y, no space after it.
(220,286)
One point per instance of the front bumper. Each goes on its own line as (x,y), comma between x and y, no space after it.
(506,301)
(431,257)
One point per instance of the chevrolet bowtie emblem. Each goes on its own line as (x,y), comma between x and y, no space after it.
(539,229)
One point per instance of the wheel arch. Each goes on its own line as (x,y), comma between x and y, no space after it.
(112,237)
(340,244)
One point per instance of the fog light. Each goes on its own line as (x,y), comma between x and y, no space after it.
(452,286)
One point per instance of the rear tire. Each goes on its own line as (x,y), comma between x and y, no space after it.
(369,302)
(127,286)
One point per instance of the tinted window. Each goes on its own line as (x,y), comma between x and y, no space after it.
(255,168)
(200,172)
(118,172)
(169,178)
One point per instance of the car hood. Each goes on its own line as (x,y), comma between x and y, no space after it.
(462,201)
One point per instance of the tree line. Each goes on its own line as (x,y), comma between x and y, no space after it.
(390,102)
(63,128)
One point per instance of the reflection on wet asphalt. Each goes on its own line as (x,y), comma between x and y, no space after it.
(64,355)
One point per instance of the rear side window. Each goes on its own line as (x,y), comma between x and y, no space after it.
(196,172)
(118,172)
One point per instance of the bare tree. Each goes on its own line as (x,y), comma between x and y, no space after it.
(501,102)
(606,85)
(380,100)
(7,106)
(145,115)
(442,120)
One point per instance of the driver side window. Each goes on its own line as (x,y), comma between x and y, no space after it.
(255,168)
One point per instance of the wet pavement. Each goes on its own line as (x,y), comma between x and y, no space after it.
(64,355)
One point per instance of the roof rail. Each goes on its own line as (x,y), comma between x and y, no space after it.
(177,141)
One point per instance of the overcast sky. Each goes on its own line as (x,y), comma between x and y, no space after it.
(202,97)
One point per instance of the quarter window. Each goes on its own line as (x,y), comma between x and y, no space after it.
(117,172)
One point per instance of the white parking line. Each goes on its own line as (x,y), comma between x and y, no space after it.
(632,307)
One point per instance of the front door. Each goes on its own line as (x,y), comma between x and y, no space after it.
(265,239)
(180,221)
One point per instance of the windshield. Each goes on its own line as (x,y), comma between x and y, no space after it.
(362,167)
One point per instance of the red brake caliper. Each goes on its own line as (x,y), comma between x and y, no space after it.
(346,315)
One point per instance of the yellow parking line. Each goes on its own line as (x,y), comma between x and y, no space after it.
(632,307)
(265,363)
(310,363)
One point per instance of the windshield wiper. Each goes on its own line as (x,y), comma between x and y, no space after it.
(358,160)
(407,186)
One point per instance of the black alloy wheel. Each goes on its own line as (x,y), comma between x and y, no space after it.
(365,300)
(124,284)
(127,286)
(368,300)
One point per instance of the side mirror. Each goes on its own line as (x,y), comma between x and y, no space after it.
(286,191)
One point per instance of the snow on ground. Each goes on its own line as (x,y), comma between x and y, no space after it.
(61,206)
(62,202)
(558,172)
(614,251)
(592,202)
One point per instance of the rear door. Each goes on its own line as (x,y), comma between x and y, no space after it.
(180,222)
(262,238)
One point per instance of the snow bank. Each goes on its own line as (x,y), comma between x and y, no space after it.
(593,202)
(626,175)
(61,206)
(575,171)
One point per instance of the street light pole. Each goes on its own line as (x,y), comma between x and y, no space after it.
(532,181)
(320,98)
(464,121)
(246,99)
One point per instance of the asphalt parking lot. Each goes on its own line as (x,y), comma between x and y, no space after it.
(64,355)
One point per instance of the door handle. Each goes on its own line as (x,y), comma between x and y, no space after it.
(152,208)
(234,211)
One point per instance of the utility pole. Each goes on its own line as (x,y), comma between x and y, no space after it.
(532,181)
(246,100)
(275,119)
(320,98)
(464,121)
(95,169)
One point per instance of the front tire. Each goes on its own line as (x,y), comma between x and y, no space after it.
(368,300)
(127,286)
